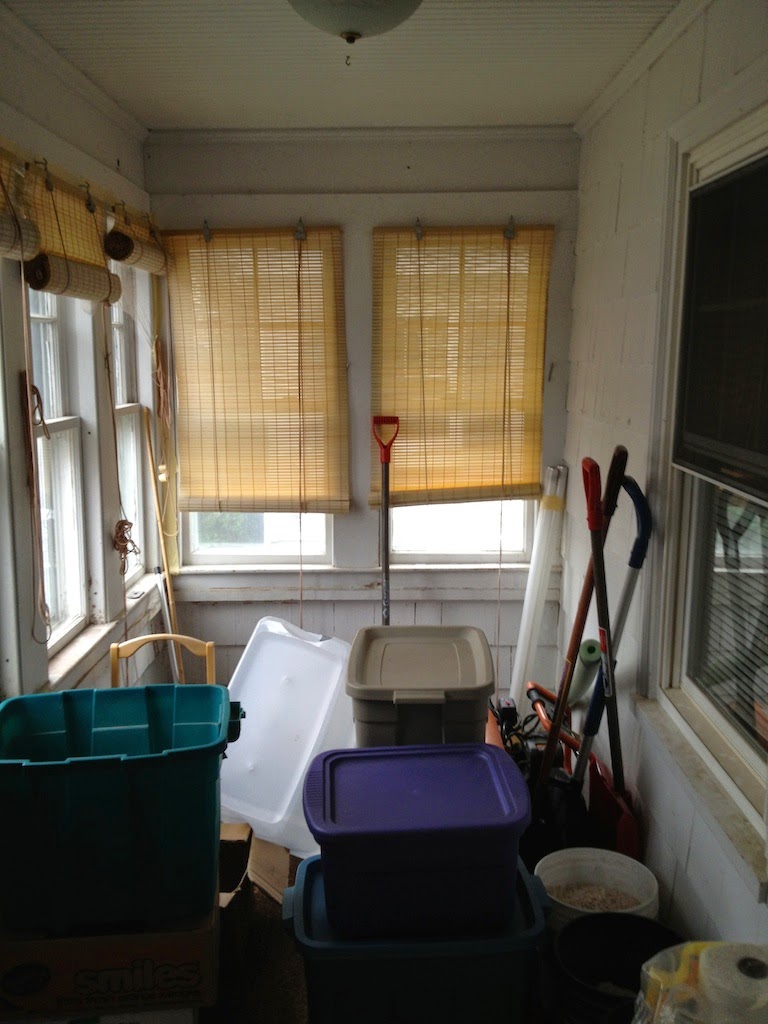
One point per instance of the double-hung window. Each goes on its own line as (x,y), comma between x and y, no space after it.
(128,416)
(717,630)
(459,321)
(257,321)
(60,470)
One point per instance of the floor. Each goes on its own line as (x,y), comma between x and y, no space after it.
(261,975)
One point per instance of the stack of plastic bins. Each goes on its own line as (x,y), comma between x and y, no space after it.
(481,977)
(417,840)
(110,807)
(420,684)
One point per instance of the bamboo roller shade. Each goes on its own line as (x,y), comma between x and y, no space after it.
(459,320)
(258,330)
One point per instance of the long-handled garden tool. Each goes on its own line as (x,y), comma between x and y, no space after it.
(591,474)
(559,815)
(610,497)
(636,560)
(385,430)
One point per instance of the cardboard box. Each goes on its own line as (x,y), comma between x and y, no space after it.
(150,1017)
(157,977)
(98,974)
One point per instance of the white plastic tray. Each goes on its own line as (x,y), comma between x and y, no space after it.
(290,684)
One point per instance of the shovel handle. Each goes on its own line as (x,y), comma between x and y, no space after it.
(381,436)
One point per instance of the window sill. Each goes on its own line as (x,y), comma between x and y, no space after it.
(702,757)
(71,666)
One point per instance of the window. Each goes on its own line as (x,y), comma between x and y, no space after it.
(458,356)
(128,416)
(726,644)
(258,334)
(224,538)
(719,578)
(469,531)
(57,437)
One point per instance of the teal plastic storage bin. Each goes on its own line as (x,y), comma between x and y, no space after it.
(483,977)
(109,801)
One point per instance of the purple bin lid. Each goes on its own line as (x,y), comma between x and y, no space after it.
(414,790)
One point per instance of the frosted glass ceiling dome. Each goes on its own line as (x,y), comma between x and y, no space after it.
(355,19)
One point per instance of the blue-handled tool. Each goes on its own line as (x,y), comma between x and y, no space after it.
(636,559)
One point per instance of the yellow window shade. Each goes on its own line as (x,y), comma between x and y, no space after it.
(459,319)
(257,320)
(70,222)
(19,237)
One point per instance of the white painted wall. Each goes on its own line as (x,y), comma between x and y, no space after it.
(49,109)
(715,63)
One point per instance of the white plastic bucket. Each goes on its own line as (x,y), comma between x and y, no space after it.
(600,870)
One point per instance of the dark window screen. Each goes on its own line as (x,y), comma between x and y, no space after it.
(722,403)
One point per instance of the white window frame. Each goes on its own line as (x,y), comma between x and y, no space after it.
(129,412)
(60,382)
(131,417)
(467,556)
(701,153)
(69,534)
(250,555)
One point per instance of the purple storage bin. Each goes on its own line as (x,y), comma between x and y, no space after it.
(417,840)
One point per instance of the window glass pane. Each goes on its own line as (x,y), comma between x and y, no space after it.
(129,471)
(243,535)
(727,646)
(47,355)
(60,490)
(123,339)
(464,528)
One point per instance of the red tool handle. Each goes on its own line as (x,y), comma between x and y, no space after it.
(385,445)
(592,488)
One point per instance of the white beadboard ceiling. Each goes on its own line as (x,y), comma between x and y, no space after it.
(255,64)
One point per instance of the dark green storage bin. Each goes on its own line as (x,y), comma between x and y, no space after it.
(110,806)
(479,977)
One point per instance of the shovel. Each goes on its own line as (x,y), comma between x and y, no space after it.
(385,430)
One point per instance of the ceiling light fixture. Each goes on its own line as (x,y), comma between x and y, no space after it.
(355,19)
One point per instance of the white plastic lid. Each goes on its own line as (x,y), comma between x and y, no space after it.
(289,683)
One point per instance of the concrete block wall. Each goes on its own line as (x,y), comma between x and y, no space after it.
(616,359)
(230,627)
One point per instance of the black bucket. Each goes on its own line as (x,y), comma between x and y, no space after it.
(599,958)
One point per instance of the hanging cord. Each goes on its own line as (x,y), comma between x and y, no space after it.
(419,231)
(214,411)
(300,238)
(509,234)
(51,192)
(122,541)
(33,407)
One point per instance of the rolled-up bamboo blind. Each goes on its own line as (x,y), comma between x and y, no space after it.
(68,228)
(258,330)
(47,217)
(78,280)
(132,240)
(459,318)
(19,237)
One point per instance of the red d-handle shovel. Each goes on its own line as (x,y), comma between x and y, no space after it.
(591,474)
(385,430)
